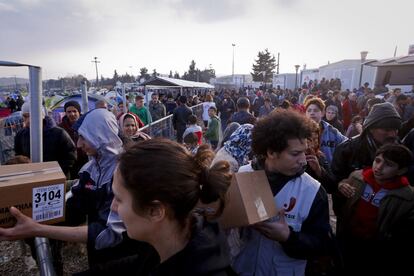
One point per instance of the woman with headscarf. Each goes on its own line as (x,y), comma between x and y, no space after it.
(129,128)
(237,149)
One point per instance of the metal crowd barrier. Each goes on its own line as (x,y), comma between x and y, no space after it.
(164,127)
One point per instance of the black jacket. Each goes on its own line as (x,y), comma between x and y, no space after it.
(353,154)
(180,119)
(242,117)
(409,143)
(205,254)
(57,145)
(82,158)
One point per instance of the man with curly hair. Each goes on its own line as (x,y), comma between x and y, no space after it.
(282,245)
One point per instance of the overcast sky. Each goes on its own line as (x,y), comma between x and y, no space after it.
(63,36)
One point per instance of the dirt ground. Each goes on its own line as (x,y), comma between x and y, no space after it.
(16,259)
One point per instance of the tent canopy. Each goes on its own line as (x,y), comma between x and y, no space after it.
(394,71)
(164,82)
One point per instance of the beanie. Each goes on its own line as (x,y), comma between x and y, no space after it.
(75,104)
(382,115)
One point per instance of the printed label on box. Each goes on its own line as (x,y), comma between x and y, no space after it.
(261,210)
(48,202)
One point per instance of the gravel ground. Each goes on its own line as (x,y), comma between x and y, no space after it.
(16,259)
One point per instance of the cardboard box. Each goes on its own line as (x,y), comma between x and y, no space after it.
(249,200)
(36,189)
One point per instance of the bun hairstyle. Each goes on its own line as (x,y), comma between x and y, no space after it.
(214,180)
(163,170)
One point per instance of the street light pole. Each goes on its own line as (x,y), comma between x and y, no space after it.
(363,58)
(278,62)
(96,68)
(232,67)
(296,76)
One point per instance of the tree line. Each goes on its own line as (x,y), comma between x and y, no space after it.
(262,70)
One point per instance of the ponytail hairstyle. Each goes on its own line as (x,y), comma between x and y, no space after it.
(163,170)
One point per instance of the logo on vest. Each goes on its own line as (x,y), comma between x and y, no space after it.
(292,204)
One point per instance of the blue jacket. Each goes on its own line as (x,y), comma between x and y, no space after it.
(330,139)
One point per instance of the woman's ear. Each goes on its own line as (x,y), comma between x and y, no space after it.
(157,211)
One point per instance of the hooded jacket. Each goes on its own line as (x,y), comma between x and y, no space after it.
(92,195)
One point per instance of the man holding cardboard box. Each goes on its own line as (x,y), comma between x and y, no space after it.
(282,244)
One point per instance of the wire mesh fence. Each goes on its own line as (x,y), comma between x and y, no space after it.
(164,127)
(8,129)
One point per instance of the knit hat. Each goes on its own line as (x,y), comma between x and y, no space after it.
(75,104)
(382,115)
(26,109)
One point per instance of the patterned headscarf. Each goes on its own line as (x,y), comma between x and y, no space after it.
(240,144)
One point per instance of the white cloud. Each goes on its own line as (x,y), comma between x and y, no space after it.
(4,7)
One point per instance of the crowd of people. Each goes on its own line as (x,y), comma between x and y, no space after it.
(149,206)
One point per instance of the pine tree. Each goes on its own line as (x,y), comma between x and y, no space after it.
(206,75)
(176,75)
(264,66)
(192,72)
(143,72)
(171,74)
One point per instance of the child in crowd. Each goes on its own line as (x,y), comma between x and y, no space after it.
(378,215)
(192,127)
(212,133)
(191,142)
(355,128)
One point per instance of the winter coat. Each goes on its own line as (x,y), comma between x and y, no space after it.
(82,158)
(180,119)
(242,117)
(91,196)
(395,227)
(330,139)
(213,131)
(57,145)
(157,110)
(206,253)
